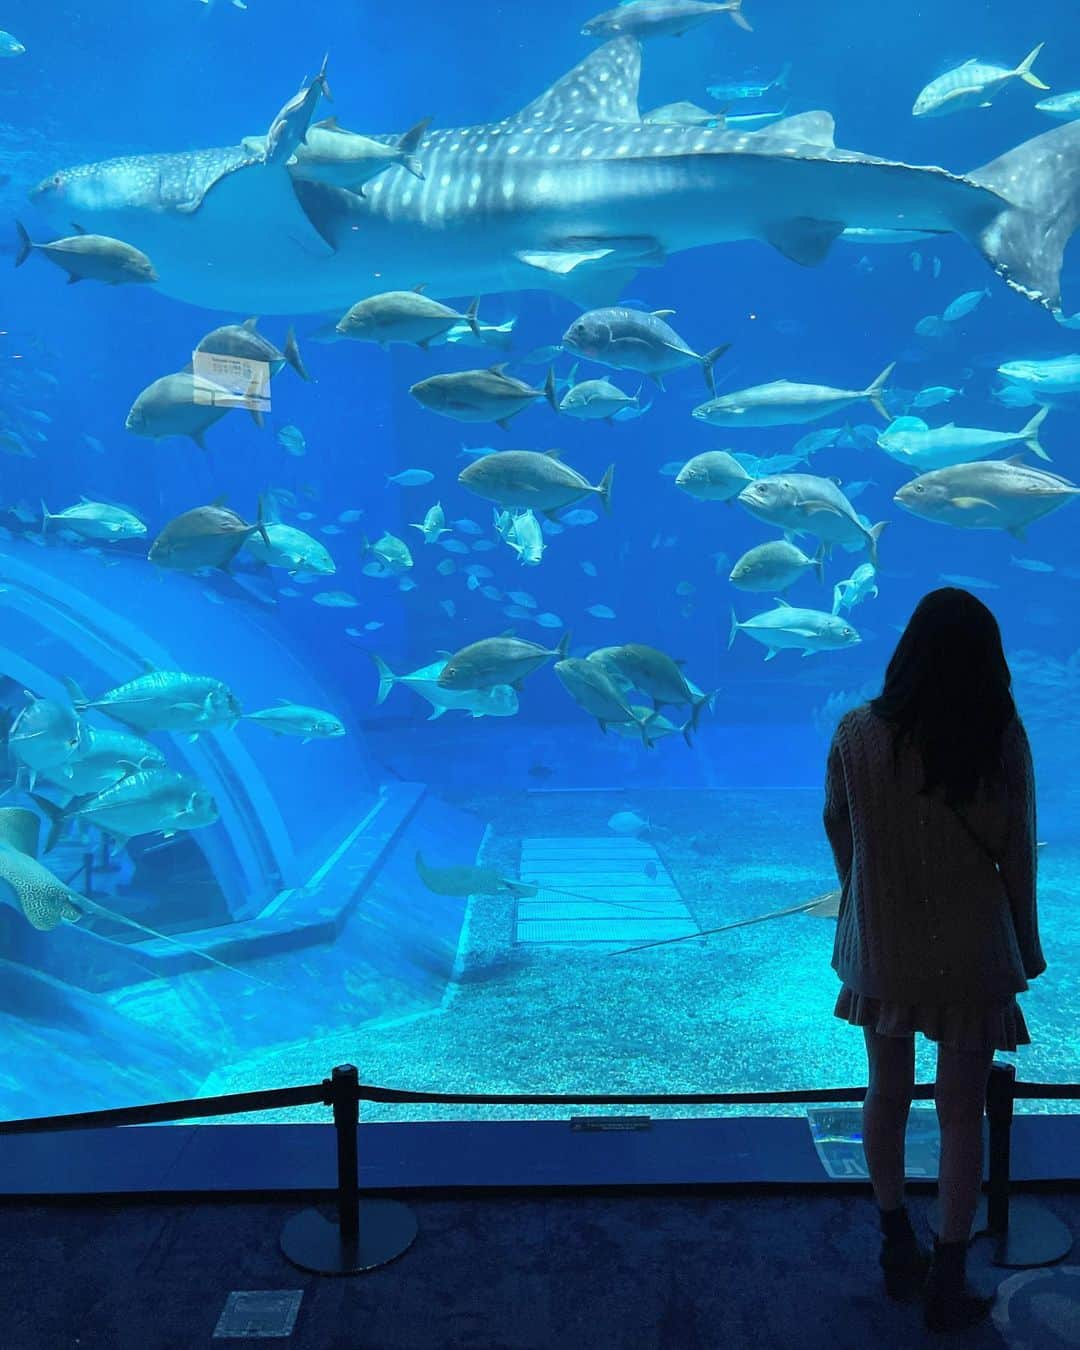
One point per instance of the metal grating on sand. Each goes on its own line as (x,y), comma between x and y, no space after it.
(598,890)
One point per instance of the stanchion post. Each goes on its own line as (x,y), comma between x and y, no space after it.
(345,1098)
(314,1243)
(999,1114)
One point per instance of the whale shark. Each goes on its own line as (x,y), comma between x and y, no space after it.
(572,195)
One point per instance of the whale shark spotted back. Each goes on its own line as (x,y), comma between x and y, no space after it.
(571,194)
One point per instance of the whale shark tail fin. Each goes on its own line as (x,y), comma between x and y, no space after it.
(1025,242)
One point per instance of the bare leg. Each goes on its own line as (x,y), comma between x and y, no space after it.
(891,1062)
(960,1097)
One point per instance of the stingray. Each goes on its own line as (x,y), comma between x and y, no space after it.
(464,879)
(31,889)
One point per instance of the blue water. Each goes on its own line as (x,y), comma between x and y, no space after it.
(113,79)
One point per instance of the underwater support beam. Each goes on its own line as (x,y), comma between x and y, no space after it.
(326,1247)
(1024,1233)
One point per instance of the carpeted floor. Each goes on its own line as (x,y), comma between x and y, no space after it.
(597,1271)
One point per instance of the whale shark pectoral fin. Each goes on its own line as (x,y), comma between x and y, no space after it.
(256,197)
(602,88)
(20,829)
(575,253)
(804,240)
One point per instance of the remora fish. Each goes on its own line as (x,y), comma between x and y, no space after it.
(344,159)
(569,195)
(660,18)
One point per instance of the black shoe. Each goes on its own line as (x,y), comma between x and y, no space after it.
(949,1305)
(903,1262)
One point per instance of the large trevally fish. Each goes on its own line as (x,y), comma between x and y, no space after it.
(571,195)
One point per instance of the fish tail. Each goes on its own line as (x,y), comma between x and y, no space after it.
(45,516)
(79,700)
(260,522)
(562,651)
(471,318)
(877,389)
(604,490)
(734,632)
(407,144)
(873,534)
(707,363)
(781,81)
(1030,433)
(1025,241)
(55,815)
(737,16)
(549,390)
(292,354)
(705,701)
(387,679)
(1024,71)
(321,80)
(26,244)
(819,564)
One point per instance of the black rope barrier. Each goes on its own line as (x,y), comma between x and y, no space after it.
(1025,1234)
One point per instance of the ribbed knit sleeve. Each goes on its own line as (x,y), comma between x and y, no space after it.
(837,813)
(1019,861)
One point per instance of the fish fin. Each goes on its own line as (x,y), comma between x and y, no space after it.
(245,191)
(771,653)
(1025,73)
(1025,242)
(197,437)
(251,323)
(804,240)
(660,314)
(604,488)
(26,244)
(437,711)
(471,317)
(79,700)
(602,88)
(812,128)
(292,354)
(707,363)
(874,391)
(1030,434)
(407,144)
(73,280)
(971,503)
(260,523)
(55,815)
(875,532)
(819,564)
(734,632)
(1017,531)
(549,390)
(738,17)
(563,649)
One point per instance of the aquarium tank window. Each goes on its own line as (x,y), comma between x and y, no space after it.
(458,467)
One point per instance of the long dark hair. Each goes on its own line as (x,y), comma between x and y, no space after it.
(948,692)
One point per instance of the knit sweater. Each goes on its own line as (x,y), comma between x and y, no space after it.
(925,914)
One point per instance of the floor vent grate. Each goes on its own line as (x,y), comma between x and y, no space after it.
(598,890)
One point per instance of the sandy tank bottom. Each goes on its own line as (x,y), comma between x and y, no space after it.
(748,1009)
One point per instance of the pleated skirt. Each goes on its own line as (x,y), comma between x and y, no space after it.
(961,1026)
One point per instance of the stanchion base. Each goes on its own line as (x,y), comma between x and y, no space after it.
(387,1228)
(1035,1236)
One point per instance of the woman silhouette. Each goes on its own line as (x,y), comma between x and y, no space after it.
(930,811)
